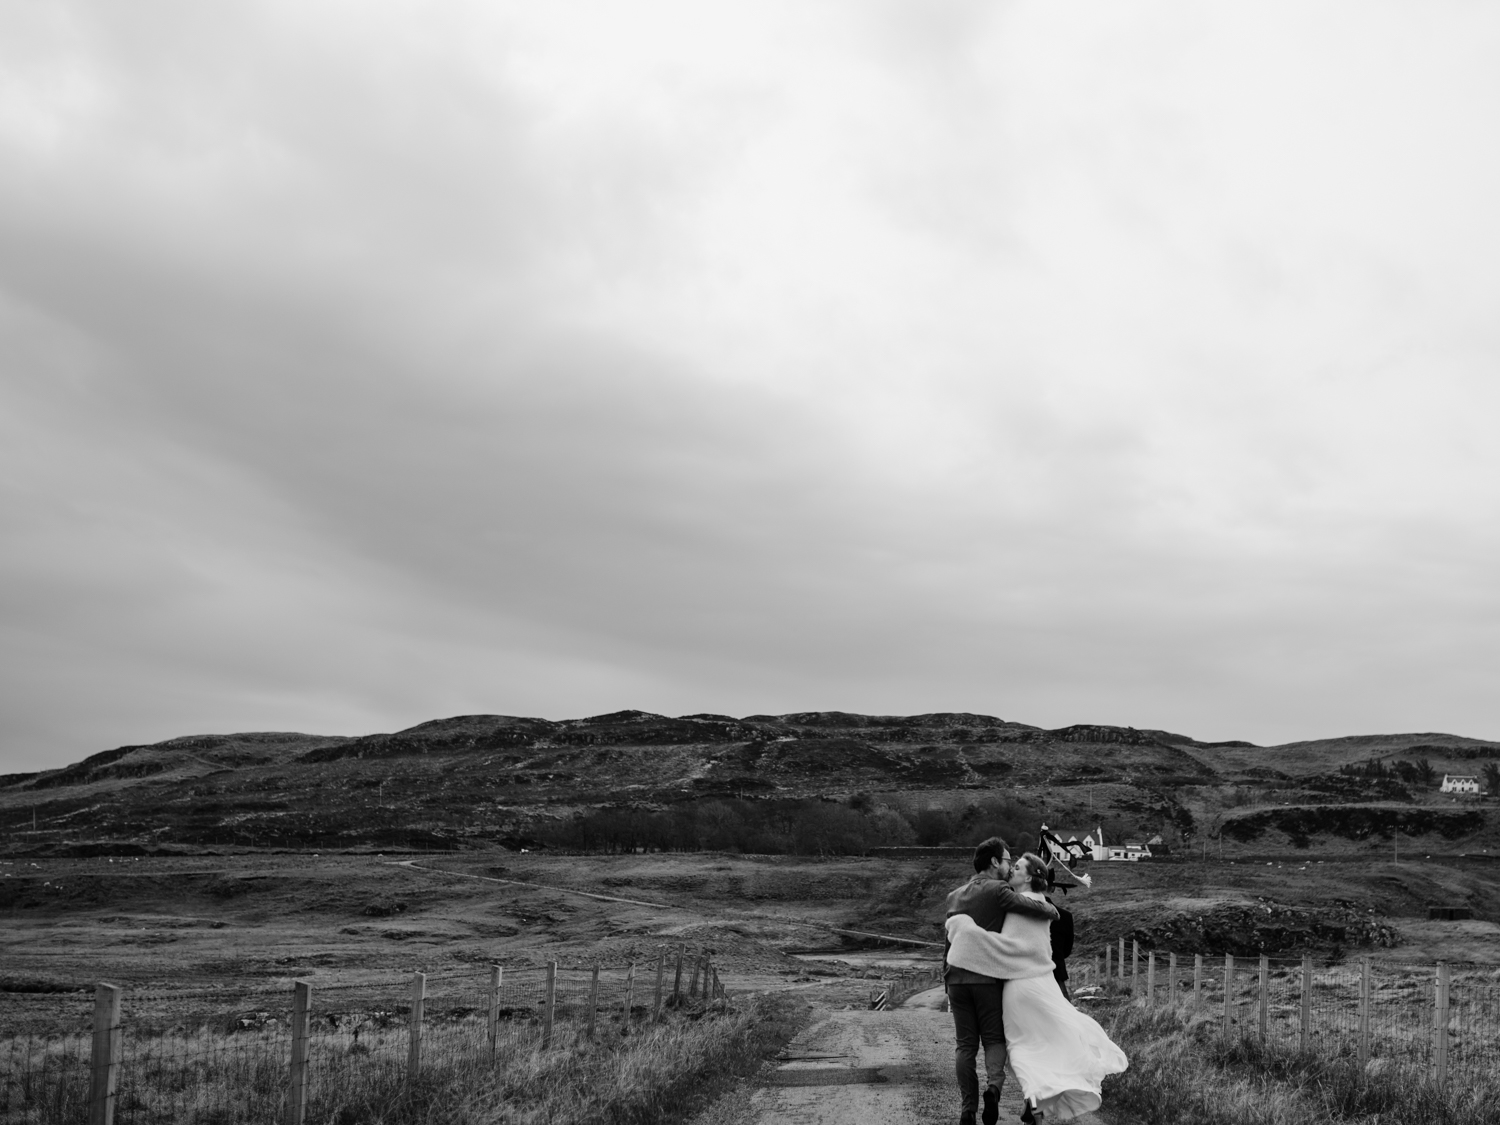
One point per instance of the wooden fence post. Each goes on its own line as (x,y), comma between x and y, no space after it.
(296,1091)
(496,976)
(1306,1020)
(677,980)
(1197,980)
(1151,979)
(629,993)
(1122,960)
(1107,966)
(105,1064)
(1265,994)
(549,1004)
(661,968)
(418,1008)
(1228,990)
(693,987)
(1364,1011)
(1135,968)
(593,999)
(1172,982)
(1440,1027)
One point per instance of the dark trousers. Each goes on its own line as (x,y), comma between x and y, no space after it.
(977,1017)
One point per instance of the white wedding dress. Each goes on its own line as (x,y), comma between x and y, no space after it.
(1059,1055)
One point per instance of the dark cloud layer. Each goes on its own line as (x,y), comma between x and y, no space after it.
(359,366)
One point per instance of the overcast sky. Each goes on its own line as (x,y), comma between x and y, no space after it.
(367,363)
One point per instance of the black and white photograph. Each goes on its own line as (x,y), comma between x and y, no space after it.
(838,562)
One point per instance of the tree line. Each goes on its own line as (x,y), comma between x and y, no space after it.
(1419,772)
(791,826)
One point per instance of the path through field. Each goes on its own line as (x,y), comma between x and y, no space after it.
(873,1068)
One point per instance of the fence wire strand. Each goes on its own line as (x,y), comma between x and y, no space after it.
(1393,1020)
(218,1056)
(223,1056)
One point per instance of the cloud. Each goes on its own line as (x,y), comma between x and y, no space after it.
(369,363)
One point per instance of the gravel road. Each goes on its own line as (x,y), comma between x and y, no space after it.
(872,1068)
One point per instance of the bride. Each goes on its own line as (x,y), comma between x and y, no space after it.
(1059,1055)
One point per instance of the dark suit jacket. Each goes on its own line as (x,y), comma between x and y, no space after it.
(1062,942)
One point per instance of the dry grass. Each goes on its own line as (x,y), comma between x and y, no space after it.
(660,1074)
(656,1074)
(1181,1074)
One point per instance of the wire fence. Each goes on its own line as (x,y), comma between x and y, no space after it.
(44,1056)
(227,1057)
(1440,1019)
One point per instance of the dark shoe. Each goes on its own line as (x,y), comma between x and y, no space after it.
(991,1112)
(1031,1116)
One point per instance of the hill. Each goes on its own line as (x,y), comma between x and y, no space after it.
(925,779)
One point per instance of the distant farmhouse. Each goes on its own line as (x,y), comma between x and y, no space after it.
(1460,783)
(1062,847)
(1129,852)
(1092,846)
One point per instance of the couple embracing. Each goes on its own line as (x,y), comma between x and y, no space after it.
(998,972)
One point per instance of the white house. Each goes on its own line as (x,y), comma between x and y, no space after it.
(1094,844)
(1098,849)
(1130,852)
(1460,783)
(1066,848)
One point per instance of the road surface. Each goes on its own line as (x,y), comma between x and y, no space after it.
(873,1068)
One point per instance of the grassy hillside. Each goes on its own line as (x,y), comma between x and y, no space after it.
(937,778)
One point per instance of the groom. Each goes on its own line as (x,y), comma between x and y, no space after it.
(974,999)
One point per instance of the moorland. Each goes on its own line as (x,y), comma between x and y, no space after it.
(258,857)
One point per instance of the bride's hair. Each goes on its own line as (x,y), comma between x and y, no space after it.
(1037,870)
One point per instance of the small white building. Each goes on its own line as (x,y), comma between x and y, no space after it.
(1129,853)
(1460,783)
(1093,843)
(1064,847)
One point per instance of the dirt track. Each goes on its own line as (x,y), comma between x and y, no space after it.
(872,1068)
